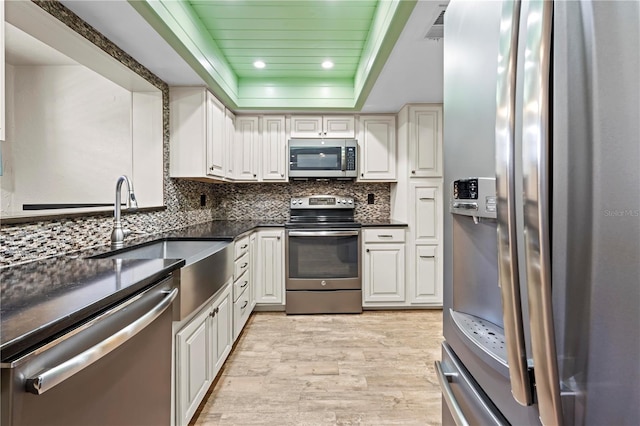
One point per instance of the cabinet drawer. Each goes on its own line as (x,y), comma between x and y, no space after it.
(241,266)
(383,235)
(241,247)
(241,312)
(240,286)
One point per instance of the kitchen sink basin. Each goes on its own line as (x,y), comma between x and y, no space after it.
(190,251)
(208,267)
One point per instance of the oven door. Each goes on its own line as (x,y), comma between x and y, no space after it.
(323,259)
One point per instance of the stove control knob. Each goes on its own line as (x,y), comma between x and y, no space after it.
(299,201)
(294,202)
(350,201)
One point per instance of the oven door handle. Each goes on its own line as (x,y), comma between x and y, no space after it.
(323,233)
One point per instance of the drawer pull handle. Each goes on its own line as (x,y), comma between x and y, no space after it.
(385,236)
(246,302)
(426,198)
(244,265)
(245,284)
(427,257)
(244,246)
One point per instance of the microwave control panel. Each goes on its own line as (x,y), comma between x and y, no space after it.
(474,197)
(351,157)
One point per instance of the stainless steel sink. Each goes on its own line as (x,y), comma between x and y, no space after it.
(209,266)
(190,251)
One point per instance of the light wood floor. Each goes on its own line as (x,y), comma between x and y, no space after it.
(369,369)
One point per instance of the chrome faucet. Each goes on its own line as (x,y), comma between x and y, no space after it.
(119,233)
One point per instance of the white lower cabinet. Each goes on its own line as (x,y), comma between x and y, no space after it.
(202,346)
(383,266)
(427,288)
(269,282)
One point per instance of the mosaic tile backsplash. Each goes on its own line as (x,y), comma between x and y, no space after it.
(22,243)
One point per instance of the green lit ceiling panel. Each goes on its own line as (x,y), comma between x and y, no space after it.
(222,39)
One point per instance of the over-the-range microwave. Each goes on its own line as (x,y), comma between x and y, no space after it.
(323,158)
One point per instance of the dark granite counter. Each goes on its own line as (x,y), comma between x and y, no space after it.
(42,298)
(386,223)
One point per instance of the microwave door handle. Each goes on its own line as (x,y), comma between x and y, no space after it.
(508,279)
(344,158)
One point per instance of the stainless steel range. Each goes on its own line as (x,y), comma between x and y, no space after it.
(323,256)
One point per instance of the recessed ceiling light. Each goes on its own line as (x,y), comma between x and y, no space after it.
(259,64)
(327,65)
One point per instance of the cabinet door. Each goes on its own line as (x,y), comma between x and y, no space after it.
(377,146)
(426,213)
(338,126)
(229,143)
(215,136)
(425,141)
(246,148)
(270,267)
(253,258)
(192,366)
(221,332)
(274,148)
(306,126)
(384,266)
(428,278)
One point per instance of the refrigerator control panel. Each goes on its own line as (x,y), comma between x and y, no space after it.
(474,197)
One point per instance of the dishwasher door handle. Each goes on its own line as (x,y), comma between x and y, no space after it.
(58,374)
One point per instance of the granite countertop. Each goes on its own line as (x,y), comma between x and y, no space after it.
(45,297)
(40,299)
(388,223)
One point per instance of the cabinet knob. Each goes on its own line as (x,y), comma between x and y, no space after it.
(325,133)
(361,174)
(367,250)
(281,174)
(413,172)
(278,237)
(255,175)
(319,133)
(212,313)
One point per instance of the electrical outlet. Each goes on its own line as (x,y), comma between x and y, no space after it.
(370,199)
(203,200)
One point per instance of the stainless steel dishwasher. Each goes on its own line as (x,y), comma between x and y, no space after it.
(114,369)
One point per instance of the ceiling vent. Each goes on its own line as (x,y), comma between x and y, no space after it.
(436,30)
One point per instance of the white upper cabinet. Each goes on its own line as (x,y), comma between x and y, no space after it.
(247,146)
(274,148)
(215,136)
(425,141)
(199,134)
(327,126)
(229,143)
(377,148)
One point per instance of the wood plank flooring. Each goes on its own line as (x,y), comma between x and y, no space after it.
(370,369)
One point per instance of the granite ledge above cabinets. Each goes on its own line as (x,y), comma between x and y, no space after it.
(384,223)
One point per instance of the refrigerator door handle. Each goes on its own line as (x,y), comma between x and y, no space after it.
(509,282)
(536,131)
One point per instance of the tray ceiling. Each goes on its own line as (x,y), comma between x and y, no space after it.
(222,39)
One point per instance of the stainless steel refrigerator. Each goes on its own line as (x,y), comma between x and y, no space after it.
(542,230)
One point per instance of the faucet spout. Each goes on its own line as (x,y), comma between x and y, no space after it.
(118,234)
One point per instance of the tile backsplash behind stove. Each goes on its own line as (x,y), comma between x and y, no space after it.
(270,201)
